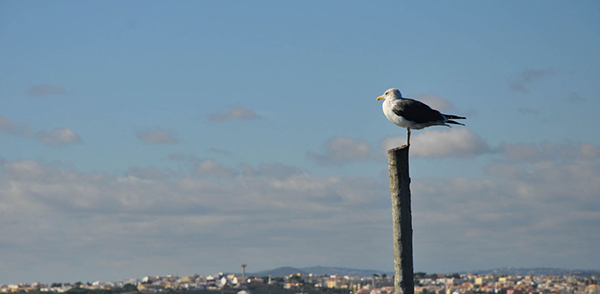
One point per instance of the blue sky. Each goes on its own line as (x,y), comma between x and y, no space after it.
(147,138)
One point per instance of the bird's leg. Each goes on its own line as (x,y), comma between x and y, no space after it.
(407,137)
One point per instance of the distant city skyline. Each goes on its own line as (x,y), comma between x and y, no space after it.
(341,271)
(334,277)
(156,137)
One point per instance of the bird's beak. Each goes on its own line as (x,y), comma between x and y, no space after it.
(379,98)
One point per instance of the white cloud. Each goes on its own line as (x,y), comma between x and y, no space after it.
(23,170)
(179,222)
(521,151)
(525,78)
(527,207)
(157,136)
(58,137)
(44,90)
(209,168)
(14,128)
(452,142)
(235,112)
(341,150)
(529,152)
(518,211)
(574,98)
(589,151)
(436,102)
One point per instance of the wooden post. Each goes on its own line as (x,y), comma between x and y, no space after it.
(402,218)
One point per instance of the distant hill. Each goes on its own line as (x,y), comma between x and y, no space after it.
(319,270)
(278,272)
(324,270)
(509,271)
(546,271)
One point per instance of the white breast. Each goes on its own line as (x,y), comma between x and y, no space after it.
(394,118)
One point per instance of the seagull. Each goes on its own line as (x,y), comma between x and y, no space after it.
(412,114)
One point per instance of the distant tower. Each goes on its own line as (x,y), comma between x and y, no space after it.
(244,271)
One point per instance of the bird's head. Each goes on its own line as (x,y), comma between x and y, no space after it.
(392,93)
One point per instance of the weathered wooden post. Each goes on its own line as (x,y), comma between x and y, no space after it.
(402,218)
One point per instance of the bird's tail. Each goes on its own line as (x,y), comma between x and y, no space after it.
(454,122)
(450,116)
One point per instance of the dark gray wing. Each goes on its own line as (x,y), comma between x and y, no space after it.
(416,111)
